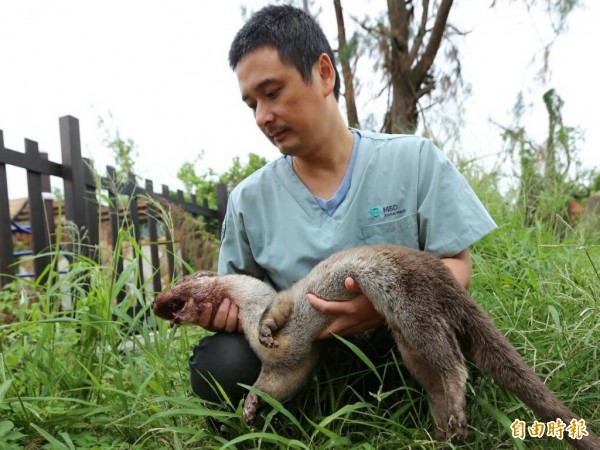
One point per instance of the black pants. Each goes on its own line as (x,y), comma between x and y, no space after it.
(228,359)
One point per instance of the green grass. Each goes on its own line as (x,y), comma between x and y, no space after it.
(67,379)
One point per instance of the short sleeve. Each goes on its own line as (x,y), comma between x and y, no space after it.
(235,255)
(450,215)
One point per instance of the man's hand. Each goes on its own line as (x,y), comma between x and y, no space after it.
(226,317)
(352,316)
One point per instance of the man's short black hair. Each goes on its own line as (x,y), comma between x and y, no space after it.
(298,38)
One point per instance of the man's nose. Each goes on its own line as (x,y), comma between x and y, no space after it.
(263,115)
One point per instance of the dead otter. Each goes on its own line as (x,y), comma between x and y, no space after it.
(435,322)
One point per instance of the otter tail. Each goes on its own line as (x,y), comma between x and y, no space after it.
(492,352)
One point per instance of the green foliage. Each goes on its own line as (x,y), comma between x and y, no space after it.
(86,377)
(202,183)
(93,376)
(124,150)
(549,173)
(595,183)
(199,243)
(238,171)
(558,11)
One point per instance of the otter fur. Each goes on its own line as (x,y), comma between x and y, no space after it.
(434,321)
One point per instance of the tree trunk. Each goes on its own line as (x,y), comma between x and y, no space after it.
(409,67)
(553,104)
(344,54)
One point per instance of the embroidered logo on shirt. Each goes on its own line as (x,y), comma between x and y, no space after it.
(387,211)
(375,212)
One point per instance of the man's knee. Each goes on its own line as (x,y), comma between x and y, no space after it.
(227,359)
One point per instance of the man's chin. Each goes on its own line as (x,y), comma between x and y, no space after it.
(285,150)
(283,146)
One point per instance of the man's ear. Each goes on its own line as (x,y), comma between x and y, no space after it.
(326,73)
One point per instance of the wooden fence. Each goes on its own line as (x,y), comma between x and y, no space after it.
(82,208)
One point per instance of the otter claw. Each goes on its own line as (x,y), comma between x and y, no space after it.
(250,408)
(267,340)
(266,333)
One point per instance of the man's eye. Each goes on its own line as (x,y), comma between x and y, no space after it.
(272,94)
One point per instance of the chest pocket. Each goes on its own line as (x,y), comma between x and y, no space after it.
(402,231)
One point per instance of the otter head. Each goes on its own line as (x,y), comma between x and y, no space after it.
(183,303)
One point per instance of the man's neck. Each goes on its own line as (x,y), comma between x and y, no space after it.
(323,170)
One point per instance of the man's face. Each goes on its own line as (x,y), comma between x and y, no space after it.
(285,107)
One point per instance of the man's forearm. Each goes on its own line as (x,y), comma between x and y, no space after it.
(461,267)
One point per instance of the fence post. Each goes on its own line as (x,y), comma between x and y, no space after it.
(221,204)
(151,218)
(48,203)
(92,211)
(170,239)
(37,217)
(73,174)
(134,215)
(6,243)
(132,190)
(115,225)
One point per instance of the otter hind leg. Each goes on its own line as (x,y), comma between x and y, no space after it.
(280,382)
(443,374)
(273,319)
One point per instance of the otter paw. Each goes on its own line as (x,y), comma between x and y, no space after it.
(440,435)
(250,408)
(458,428)
(267,340)
(265,334)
